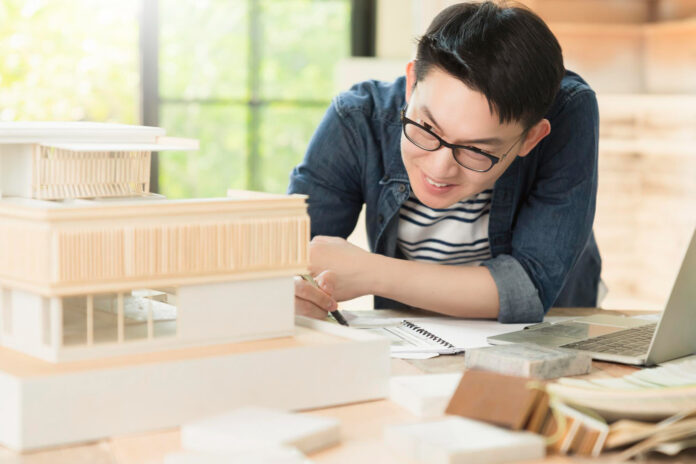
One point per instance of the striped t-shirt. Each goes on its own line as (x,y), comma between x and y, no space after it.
(457,235)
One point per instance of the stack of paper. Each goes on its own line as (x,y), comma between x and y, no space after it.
(648,394)
(459,440)
(669,436)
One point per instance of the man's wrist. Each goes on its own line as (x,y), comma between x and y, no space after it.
(372,277)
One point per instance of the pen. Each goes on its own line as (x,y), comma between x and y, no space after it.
(336,314)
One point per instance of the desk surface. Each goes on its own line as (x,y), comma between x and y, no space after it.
(362,426)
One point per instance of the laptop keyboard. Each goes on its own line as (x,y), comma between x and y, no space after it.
(629,342)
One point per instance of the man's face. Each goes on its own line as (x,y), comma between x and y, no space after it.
(459,116)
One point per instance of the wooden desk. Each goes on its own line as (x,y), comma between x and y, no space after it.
(362,426)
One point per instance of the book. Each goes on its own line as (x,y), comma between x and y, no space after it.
(253,428)
(409,337)
(528,360)
(424,395)
(426,333)
(455,440)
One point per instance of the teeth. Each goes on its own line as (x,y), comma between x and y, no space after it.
(432,182)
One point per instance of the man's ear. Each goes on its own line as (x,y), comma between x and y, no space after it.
(534,135)
(410,79)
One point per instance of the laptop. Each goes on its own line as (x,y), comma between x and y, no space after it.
(627,340)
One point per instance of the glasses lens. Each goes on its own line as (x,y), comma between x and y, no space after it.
(420,137)
(472,160)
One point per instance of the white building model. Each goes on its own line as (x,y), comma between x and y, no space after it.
(122,311)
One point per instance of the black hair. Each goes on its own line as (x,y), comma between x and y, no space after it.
(505,52)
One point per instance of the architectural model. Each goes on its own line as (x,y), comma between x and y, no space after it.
(121,310)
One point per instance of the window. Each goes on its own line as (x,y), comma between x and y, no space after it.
(69,60)
(149,313)
(251,79)
(75,320)
(142,314)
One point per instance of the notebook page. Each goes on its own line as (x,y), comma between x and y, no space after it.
(465,333)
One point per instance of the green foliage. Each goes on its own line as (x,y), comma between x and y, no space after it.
(203,49)
(69,60)
(215,168)
(303,40)
(204,64)
(285,132)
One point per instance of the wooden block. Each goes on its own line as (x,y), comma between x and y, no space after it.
(670,48)
(591,11)
(609,56)
(495,398)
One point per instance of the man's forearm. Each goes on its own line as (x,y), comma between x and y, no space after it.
(459,291)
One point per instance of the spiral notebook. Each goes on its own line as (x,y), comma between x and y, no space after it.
(415,334)
(409,337)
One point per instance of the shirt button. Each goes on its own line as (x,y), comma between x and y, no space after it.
(402,188)
(380,219)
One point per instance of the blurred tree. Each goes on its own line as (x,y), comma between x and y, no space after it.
(69,60)
(228,68)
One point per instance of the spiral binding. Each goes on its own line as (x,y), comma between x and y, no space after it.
(419,330)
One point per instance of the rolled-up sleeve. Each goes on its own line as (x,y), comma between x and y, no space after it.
(519,298)
(554,222)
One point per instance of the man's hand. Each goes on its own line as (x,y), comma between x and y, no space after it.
(314,302)
(349,272)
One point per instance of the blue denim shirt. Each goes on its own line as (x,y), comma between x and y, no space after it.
(540,228)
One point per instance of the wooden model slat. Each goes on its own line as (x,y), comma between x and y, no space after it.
(61,173)
(107,247)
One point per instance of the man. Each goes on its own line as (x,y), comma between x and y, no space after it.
(478,170)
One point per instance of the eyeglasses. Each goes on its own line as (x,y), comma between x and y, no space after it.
(466,156)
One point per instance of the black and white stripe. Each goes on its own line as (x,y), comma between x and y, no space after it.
(456,235)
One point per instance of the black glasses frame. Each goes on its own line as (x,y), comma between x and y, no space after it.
(494,159)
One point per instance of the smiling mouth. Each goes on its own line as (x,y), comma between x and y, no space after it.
(436,184)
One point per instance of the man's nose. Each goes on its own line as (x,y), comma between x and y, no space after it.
(442,164)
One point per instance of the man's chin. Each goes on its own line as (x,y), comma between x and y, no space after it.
(436,202)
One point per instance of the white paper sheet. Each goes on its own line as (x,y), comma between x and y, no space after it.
(462,333)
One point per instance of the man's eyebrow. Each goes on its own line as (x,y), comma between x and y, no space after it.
(484,141)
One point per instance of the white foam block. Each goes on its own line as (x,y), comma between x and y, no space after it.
(424,395)
(252,428)
(276,455)
(458,440)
